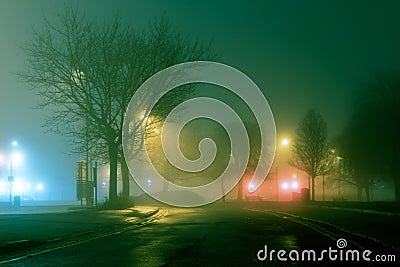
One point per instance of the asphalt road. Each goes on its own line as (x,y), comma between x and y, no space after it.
(217,235)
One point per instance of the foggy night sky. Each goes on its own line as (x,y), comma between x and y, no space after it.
(302,54)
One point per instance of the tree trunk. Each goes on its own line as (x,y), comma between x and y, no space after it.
(125,178)
(372,192)
(367,195)
(113,156)
(359,193)
(396,181)
(313,188)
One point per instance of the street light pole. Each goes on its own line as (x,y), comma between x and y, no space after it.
(284,143)
(323,183)
(323,180)
(11,177)
(277,183)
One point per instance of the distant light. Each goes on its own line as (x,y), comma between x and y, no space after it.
(17,158)
(285,185)
(14,143)
(285,142)
(39,187)
(149,182)
(295,185)
(294,175)
(18,186)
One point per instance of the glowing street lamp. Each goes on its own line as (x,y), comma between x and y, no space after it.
(13,144)
(39,187)
(285,186)
(11,177)
(1,160)
(294,185)
(284,143)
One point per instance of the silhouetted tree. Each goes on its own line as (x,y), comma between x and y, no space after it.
(86,74)
(360,157)
(310,147)
(371,139)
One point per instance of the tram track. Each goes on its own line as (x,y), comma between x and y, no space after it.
(21,249)
(334,232)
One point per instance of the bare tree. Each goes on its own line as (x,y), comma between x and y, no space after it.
(310,147)
(370,140)
(360,164)
(86,74)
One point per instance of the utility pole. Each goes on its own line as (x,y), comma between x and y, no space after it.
(95,183)
(276,183)
(323,185)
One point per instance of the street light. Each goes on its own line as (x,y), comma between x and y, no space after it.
(323,181)
(11,177)
(39,187)
(294,185)
(285,186)
(284,143)
(324,167)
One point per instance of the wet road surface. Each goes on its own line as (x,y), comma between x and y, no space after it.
(217,235)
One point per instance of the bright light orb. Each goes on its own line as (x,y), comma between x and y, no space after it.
(17,158)
(18,186)
(285,142)
(39,187)
(295,185)
(285,185)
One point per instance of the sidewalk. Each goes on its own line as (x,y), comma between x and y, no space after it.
(39,207)
(381,208)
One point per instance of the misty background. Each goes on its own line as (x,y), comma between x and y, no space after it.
(302,55)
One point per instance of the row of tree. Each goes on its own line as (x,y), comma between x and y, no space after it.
(86,73)
(369,145)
